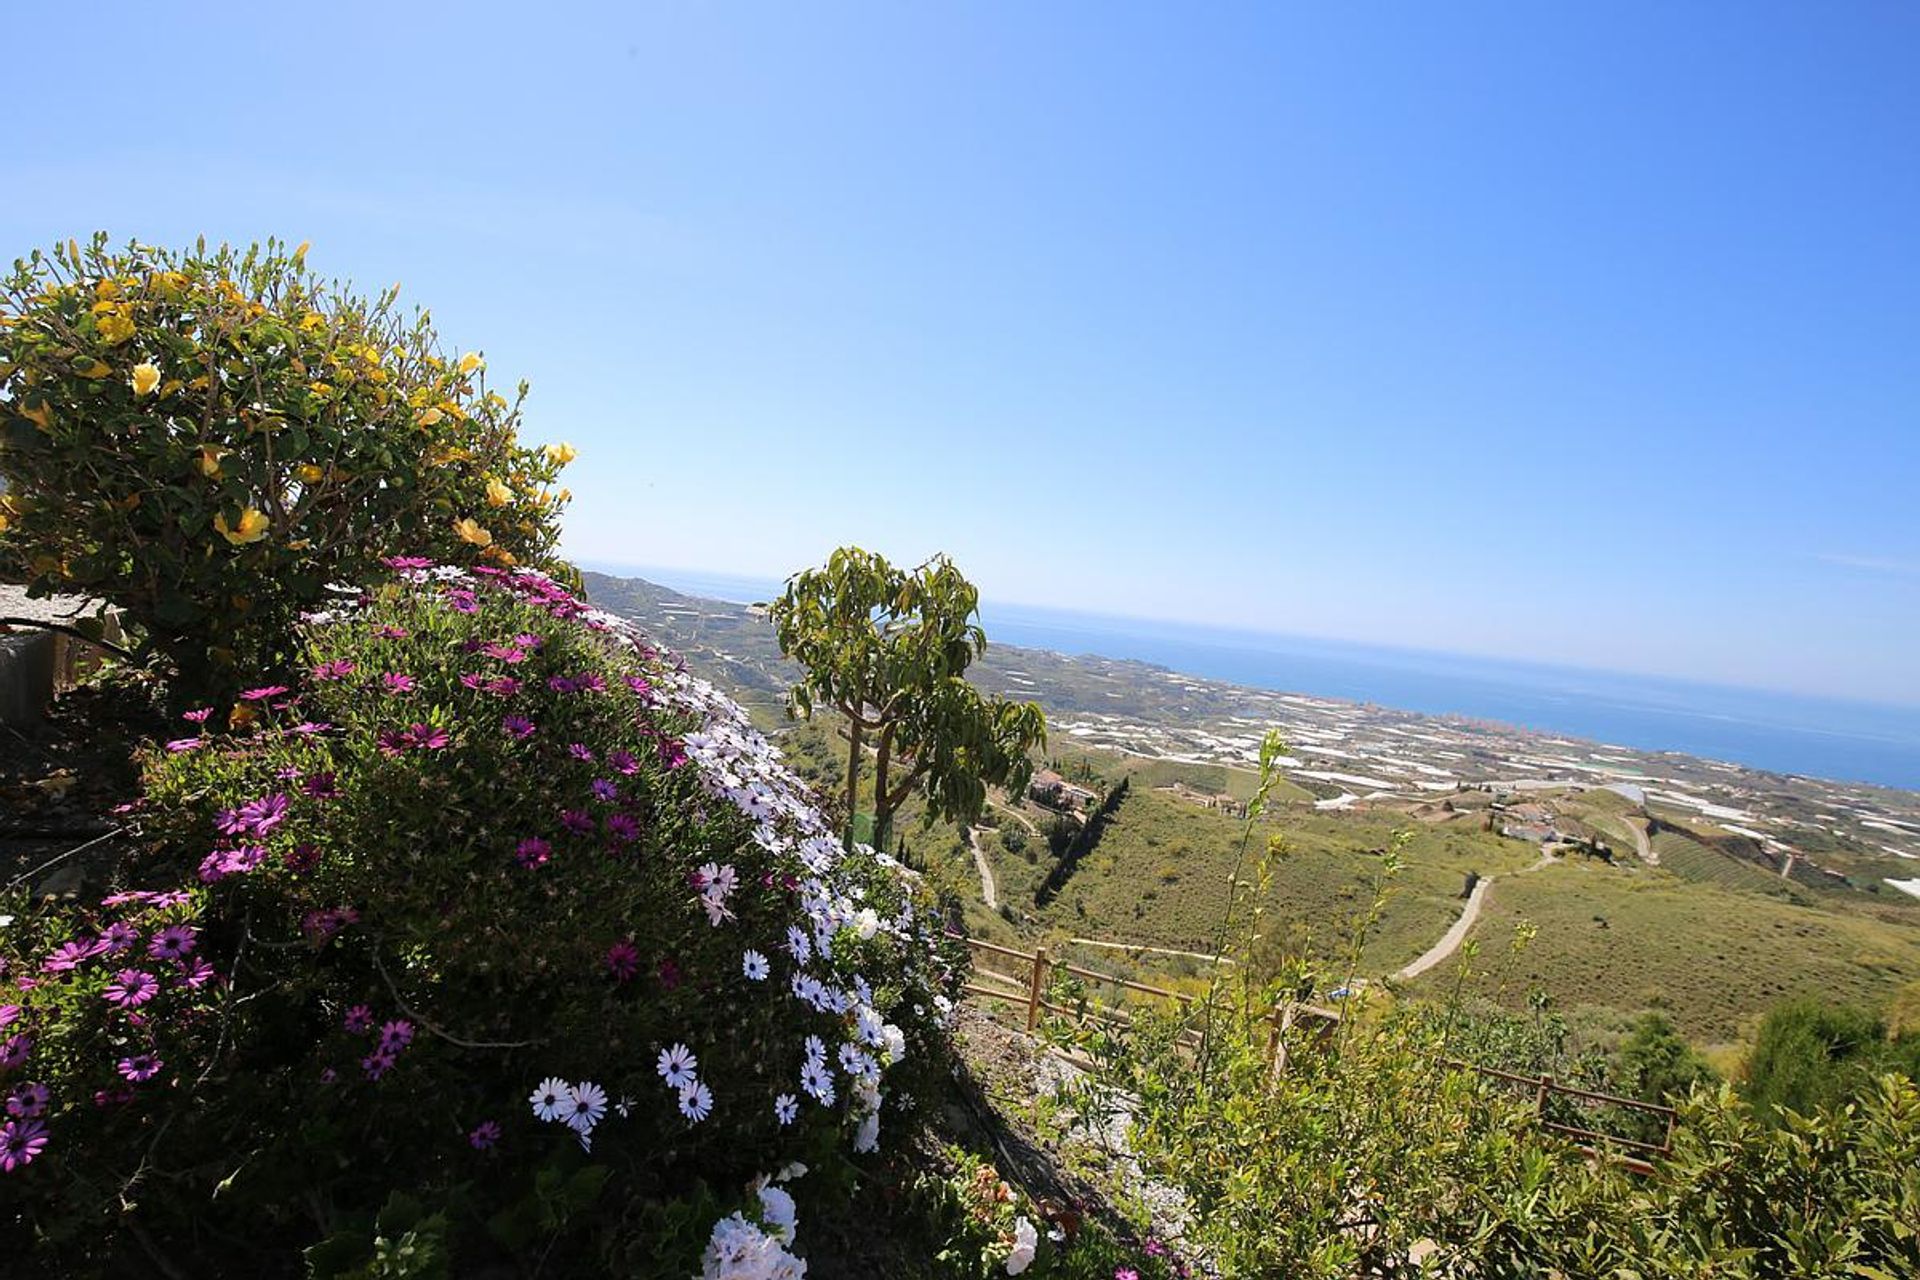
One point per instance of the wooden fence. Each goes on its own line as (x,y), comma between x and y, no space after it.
(1026,991)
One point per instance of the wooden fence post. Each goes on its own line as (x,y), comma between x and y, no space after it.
(1036,986)
(1540,1098)
(1280,1020)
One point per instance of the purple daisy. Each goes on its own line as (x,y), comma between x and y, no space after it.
(578,821)
(20,1142)
(263,693)
(397,682)
(623,960)
(321,786)
(604,791)
(140,1067)
(623,828)
(28,1101)
(175,942)
(517,727)
(425,737)
(117,937)
(580,751)
(485,1135)
(68,956)
(14,1050)
(339,669)
(359,1019)
(132,988)
(533,852)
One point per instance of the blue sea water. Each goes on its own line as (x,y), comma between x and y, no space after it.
(1784,732)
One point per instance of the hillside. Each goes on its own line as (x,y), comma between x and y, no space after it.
(1700,922)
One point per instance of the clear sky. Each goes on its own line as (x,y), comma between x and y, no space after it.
(1582,333)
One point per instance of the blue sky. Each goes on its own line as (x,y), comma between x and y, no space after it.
(1586,334)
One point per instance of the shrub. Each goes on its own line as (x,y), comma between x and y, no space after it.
(207,439)
(489,846)
(1810,1054)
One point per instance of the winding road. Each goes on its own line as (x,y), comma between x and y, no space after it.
(988,894)
(1450,940)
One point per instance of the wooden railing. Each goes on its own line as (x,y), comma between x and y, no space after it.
(1026,991)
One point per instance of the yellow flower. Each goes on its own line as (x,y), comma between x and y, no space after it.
(145,378)
(429,416)
(498,495)
(561,454)
(469,362)
(210,455)
(312,321)
(4,522)
(471,532)
(113,322)
(252,527)
(308,473)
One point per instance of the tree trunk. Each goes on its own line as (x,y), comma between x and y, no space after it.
(882,805)
(853,776)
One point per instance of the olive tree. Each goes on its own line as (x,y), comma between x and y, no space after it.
(888,648)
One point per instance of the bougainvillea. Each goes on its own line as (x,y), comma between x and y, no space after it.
(495,903)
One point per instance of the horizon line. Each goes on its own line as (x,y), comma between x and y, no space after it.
(1257,632)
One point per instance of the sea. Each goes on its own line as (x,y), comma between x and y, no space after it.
(1830,738)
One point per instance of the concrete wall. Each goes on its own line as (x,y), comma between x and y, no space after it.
(30,664)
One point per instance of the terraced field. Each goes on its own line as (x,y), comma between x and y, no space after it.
(1692,860)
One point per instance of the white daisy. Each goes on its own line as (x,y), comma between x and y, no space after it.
(696,1102)
(798,945)
(754,965)
(816,1080)
(550,1100)
(816,1050)
(786,1108)
(586,1103)
(677,1066)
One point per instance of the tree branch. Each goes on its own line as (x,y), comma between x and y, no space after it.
(64,630)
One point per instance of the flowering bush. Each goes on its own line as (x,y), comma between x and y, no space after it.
(494,904)
(986,1228)
(207,439)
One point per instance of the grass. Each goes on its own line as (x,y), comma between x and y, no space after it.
(1159,876)
(1714,958)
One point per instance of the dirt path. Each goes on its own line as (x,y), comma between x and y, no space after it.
(1016,815)
(988,894)
(1642,845)
(1450,940)
(1158,951)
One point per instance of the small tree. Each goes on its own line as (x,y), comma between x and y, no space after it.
(207,439)
(888,649)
